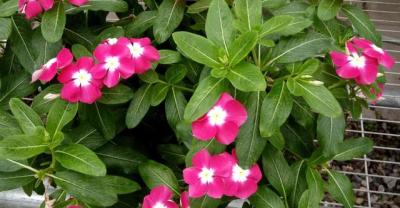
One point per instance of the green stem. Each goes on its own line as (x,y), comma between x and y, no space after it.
(337,84)
(24,166)
(177,86)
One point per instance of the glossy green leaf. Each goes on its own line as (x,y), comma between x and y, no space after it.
(306,200)
(330,132)
(100,5)
(80,51)
(328,9)
(276,24)
(352,148)
(139,106)
(267,198)
(27,119)
(120,185)
(199,6)
(86,135)
(241,47)
(249,12)
(205,202)
(159,93)
(13,180)
(116,95)
(8,125)
(298,139)
(247,77)
(175,107)
(197,48)
(315,186)
(341,189)
(170,15)
(299,185)
(141,23)
(174,154)
(302,113)
(275,109)
(61,113)
(101,118)
(156,174)
(169,57)
(8,8)
(53,23)
(7,166)
(5,28)
(297,25)
(175,74)
(204,97)
(15,85)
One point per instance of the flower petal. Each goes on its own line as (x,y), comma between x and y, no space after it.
(387,60)
(246,189)
(225,97)
(85,63)
(161,193)
(64,58)
(89,94)
(111,79)
(47,4)
(66,74)
(70,92)
(191,175)
(236,112)
(203,130)
(197,190)
(126,68)
(32,9)
(101,52)
(348,72)
(49,73)
(369,74)
(338,58)
(78,2)
(222,164)
(36,74)
(216,189)
(201,159)
(227,133)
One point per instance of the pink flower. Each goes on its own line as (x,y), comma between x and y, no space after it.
(142,54)
(49,70)
(207,174)
(222,121)
(78,2)
(32,8)
(184,200)
(114,62)
(74,206)
(159,197)
(373,51)
(79,82)
(242,183)
(363,69)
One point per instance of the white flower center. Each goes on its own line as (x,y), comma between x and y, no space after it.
(50,62)
(376,48)
(216,116)
(239,174)
(112,41)
(112,63)
(206,175)
(136,50)
(357,61)
(159,205)
(82,78)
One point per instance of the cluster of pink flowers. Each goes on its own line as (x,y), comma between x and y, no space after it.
(32,8)
(114,59)
(161,197)
(361,61)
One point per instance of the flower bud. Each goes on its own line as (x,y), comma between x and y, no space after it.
(51,96)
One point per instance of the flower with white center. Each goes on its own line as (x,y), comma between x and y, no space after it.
(82,78)
(49,70)
(206,175)
(159,197)
(112,63)
(357,61)
(374,51)
(159,205)
(222,121)
(239,174)
(112,41)
(142,53)
(136,50)
(378,49)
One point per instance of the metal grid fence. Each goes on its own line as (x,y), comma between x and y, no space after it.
(376,176)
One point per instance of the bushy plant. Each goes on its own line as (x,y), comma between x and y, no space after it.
(123,103)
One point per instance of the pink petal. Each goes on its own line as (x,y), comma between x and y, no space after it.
(98,71)
(202,129)
(141,65)
(85,63)
(36,74)
(217,188)
(126,68)
(47,4)
(184,200)
(246,189)
(201,159)
(78,2)
(236,112)
(362,43)
(338,58)
(151,53)
(70,92)
(111,79)
(147,202)
(49,73)
(141,41)
(21,5)
(222,164)
(197,190)
(170,204)
(119,50)
(66,74)
(372,53)
(64,58)
(161,193)
(231,187)
(225,97)
(89,94)
(350,47)
(369,74)
(191,175)
(348,72)
(101,52)
(32,9)
(227,133)
(387,60)
(255,173)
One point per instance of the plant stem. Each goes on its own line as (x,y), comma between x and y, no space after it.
(24,166)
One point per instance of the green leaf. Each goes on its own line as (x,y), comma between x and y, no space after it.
(241,47)
(204,97)
(298,139)
(20,147)
(8,166)
(111,32)
(219,27)
(300,47)
(42,105)
(247,77)
(330,132)
(80,159)
(266,198)
(276,24)
(199,6)
(121,157)
(175,107)
(158,93)
(302,113)
(150,77)
(361,22)
(27,119)
(174,154)
(61,113)
(297,25)
(175,74)
(139,106)
(15,85)
(80,51)
(341,189)
(306,200)
(205,202)
(197,48)
(5,28)
(116,95)
(352,148)
(21,45)
(277,171)
(8,125)
(13,180)
(309,67)
(44,50)
(212,146)
(88,189)
(86,135)
(101,118)
(300,185)
(249,12)
(316,187)
(170,15)
(120,185)
(275,109)
(320,99)
(250,144)
(277,140)
(328,9)
(53,23)
(141,23)
(169,57)
(8,8)
(100,5)
(156,174)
